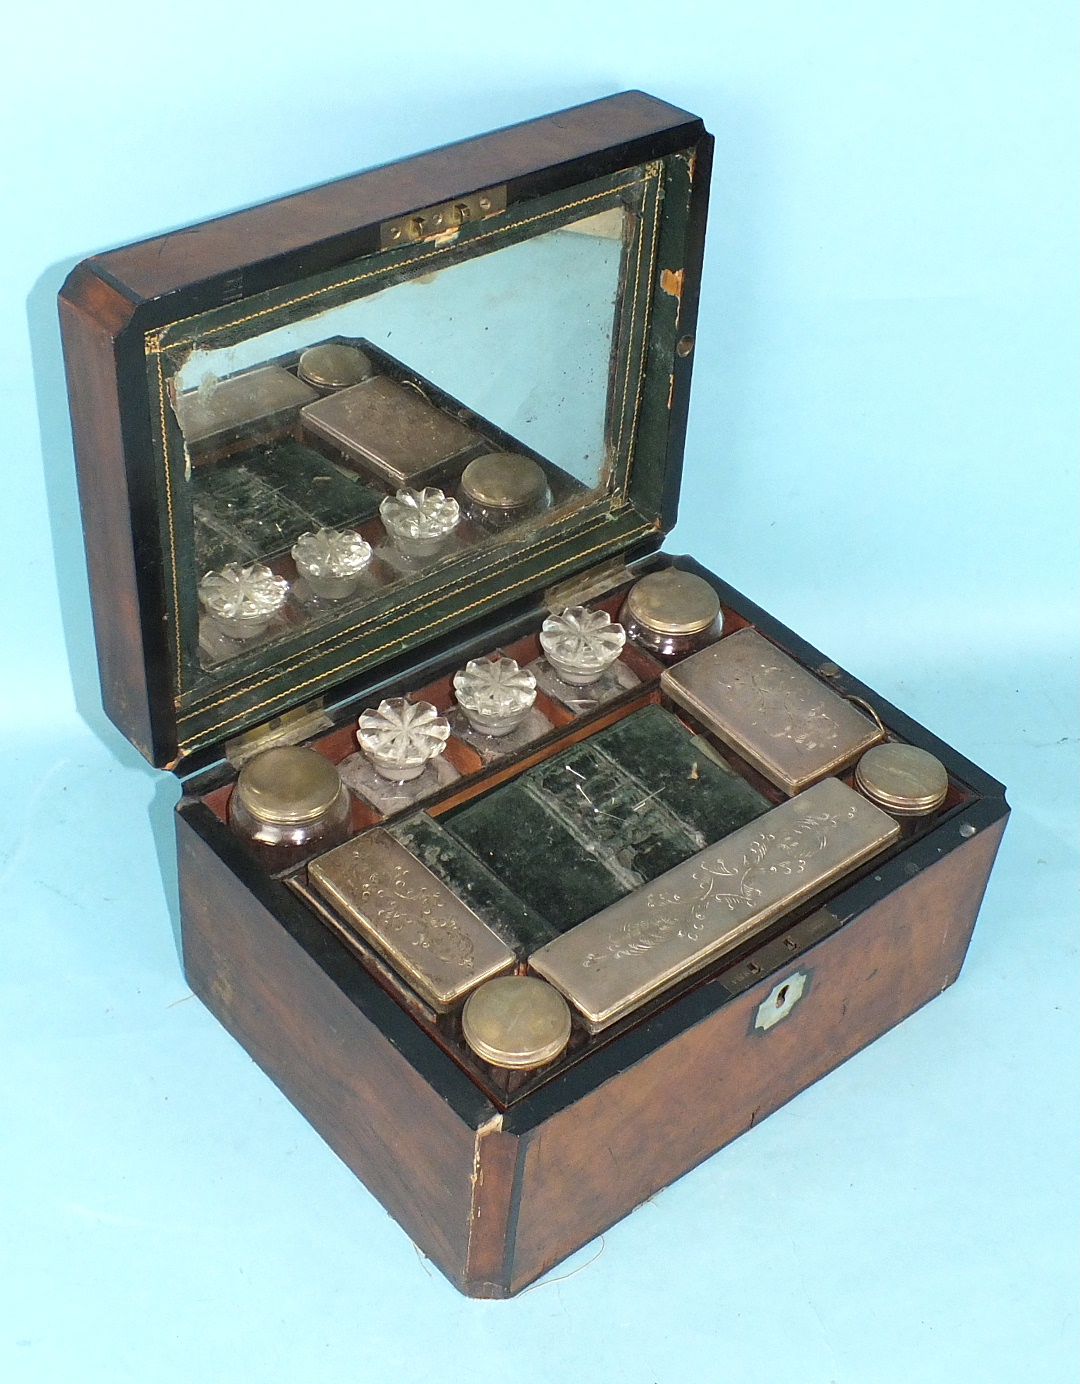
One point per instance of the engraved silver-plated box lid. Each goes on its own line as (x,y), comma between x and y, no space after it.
(638,947)
(780,718)
(410,917)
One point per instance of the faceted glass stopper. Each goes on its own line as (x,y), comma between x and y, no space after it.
(400,737)
(580,643)
(495,694)
(331,561)
(243,600)
(419,521)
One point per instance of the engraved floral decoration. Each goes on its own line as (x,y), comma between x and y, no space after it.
(243,597)
(401,737)
(418,915)
(669,913)
(331,553)
(808,728)
(419,520)
(495,694)
(581,643)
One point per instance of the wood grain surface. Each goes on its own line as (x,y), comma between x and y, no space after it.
(588,1166)
(368,1102)
(496,1206)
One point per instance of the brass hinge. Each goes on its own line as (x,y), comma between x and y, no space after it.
(586,586)
(444,220)
(287,729)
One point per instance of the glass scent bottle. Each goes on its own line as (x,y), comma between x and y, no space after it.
(502,489)
(419,522)
(672,614)
(495,694)
(581,665)
(580,644)
(400,761)
(288,803)
(400,738)
(243,600)
(332,561)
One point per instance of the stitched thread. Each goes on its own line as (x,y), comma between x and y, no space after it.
(172,529)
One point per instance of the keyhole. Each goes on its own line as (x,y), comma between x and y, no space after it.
(780,1001)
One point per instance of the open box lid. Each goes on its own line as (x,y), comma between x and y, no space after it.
(531,293)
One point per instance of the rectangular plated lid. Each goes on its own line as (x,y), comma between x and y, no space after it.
(320,433)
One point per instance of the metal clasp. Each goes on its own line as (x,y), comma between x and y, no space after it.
(444,220)
(586,586)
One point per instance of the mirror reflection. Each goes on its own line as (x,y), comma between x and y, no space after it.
(333,457)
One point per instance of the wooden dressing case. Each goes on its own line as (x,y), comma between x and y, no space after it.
(532,863)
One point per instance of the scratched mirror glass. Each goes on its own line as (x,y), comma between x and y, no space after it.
(338,454)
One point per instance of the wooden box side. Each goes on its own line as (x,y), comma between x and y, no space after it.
(591,1163)
(380,1115)
(92,315)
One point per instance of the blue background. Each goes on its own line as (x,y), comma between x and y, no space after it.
(881,452)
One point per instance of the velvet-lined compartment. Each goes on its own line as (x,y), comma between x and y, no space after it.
(476,782)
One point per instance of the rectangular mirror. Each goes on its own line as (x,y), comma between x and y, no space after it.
(344,442)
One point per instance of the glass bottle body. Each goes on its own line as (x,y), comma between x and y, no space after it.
(669,648)
(281,845)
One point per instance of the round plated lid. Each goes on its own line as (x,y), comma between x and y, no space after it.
(673,602)
(516,1021)
(502,480)
(333,366)
(288,784)
(902,779)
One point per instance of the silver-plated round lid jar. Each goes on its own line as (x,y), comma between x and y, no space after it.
(333,365)
(672,613)
(518,1022)
(502,488)
(289,785)
(902,779)
(288,803)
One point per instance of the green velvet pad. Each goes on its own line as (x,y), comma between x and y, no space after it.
(613,813)
(333,499)
(536,855)
(466,877)
(256,504)
(698,787)
(587,827)
(217,542)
